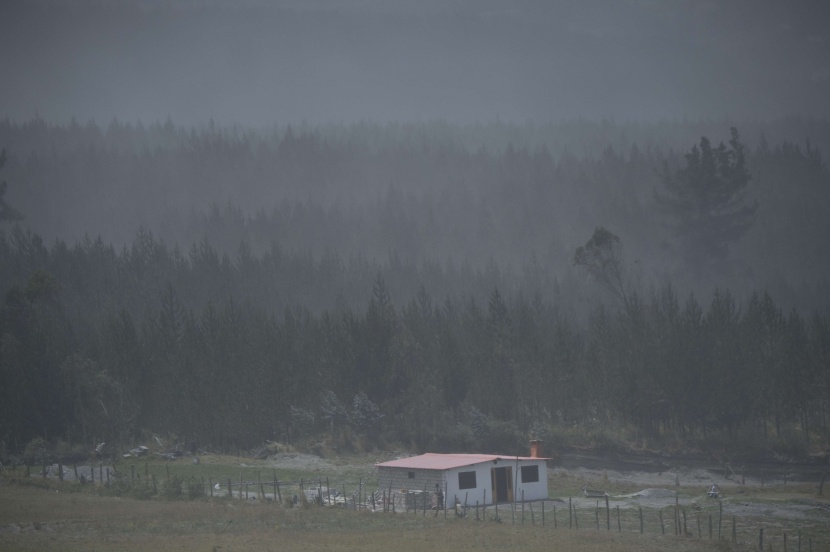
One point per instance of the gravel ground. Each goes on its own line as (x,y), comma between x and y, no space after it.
(656,489)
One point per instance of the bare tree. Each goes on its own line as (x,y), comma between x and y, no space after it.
(601,256)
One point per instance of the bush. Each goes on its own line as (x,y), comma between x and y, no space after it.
(171,488)
(38,452)
(194,488)
(71,454)
(123,486)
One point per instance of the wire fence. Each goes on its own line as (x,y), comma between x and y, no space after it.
(716,521)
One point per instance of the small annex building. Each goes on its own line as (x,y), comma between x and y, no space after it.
(469,478)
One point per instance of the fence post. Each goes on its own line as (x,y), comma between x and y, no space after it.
(761,540)
(607,514)
(720,517)
(676,514)
(735,532)
(523,506)
(662,527)
(570,514)
(230,489)
(641,519)
(619,525)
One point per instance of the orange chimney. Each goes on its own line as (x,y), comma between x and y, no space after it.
(535,448)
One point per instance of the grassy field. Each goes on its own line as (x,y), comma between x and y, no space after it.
(36,518)
(39,514)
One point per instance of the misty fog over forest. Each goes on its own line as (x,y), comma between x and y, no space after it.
(439,224)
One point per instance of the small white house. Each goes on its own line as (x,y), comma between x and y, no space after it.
(469,478)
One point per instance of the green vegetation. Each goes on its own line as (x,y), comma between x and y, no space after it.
(38,514)
(442,313)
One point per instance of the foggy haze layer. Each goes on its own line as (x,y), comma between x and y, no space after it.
(257,63)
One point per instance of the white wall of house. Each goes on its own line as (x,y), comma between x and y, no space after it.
(483,491)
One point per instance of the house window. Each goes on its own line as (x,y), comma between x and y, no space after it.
(530,474)
(467,480)
(410,475)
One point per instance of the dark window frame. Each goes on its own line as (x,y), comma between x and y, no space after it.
(530,474)
(466,480)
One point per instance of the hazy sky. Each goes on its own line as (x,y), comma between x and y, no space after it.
(259,63)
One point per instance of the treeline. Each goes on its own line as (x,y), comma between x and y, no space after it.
(99,344)
(491,197)
(414,284)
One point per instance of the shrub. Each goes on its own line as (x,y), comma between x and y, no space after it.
(38,452)
(71,454)
(194,488)
(171,488)
(123,486)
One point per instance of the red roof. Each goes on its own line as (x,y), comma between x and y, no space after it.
(432,461)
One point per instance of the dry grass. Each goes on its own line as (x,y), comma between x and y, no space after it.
(37,514)
(36,518)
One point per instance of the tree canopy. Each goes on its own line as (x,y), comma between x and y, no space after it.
(705,200)
(7,212)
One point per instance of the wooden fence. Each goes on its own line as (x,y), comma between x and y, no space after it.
(558,513)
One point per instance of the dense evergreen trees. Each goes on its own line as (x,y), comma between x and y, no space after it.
(384,287)
(225,370)
(7,212)
(705,201)
(499,199)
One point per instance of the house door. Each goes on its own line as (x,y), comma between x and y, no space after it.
(501,480)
